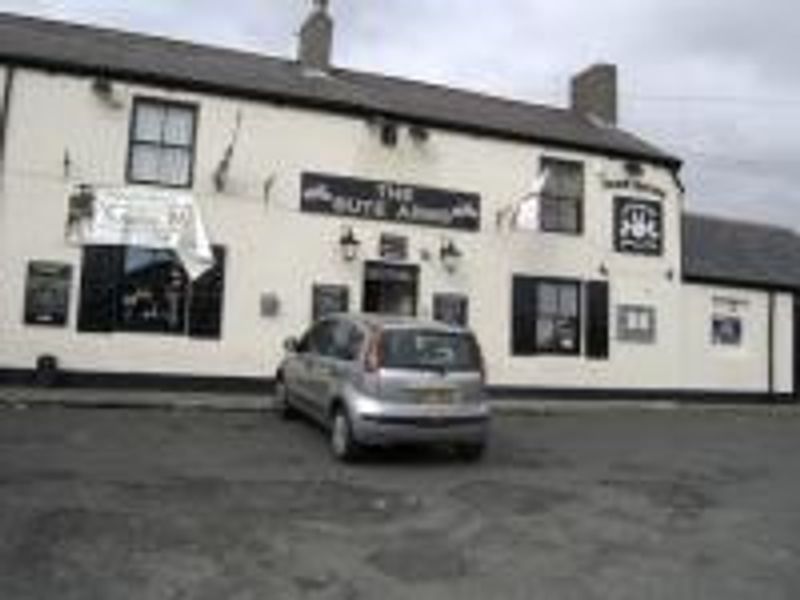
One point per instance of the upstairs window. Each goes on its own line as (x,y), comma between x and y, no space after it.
(561,207)
(162,143)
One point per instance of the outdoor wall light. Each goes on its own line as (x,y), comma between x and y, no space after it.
(450,256)
(349,245)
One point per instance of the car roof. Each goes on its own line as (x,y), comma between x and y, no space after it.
(399,322)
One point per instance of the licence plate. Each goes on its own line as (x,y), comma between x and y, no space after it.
(436,396)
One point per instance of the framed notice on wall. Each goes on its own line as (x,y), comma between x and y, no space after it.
(47,293)
(329,299)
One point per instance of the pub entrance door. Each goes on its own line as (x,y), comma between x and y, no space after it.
(390,289)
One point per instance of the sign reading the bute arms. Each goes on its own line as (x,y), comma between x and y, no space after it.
(387,201)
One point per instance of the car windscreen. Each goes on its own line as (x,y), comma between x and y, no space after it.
(429,349)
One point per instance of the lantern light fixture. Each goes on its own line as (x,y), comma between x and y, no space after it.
(450,255)
(349,245)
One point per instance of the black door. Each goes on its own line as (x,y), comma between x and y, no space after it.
(390,289)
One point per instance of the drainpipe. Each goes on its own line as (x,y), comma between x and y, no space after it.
(5,111)
(771,346)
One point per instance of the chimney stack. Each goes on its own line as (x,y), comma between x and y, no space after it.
(594,93)
(316,38)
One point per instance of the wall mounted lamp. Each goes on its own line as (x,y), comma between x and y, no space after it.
(450,256)
(349,245)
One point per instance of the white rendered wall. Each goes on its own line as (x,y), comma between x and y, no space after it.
(273,247)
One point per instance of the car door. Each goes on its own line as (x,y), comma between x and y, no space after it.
(337,364)
(316,382)
(296,370)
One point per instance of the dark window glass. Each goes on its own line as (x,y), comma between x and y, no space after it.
(452,309)
(546,316)
(347,341)
(162,143)
(726,330)
(138,289)
(427,349)
(561,204)
(321,339)
(151,292)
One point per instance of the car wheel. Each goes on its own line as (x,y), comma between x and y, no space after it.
(472,452)
(343,444)
(282,404)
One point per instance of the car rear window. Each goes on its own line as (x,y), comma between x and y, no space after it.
(429,349)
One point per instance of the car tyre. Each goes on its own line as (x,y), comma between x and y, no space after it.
(282,404)
(343,443)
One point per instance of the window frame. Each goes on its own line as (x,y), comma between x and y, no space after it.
(535,348)
(194,108)
(114,280)
(579,202)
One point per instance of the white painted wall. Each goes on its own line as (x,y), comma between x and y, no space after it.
(273,247)
(744,368)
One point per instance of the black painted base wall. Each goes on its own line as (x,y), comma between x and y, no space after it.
(254,385)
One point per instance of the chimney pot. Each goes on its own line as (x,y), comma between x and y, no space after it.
(594,93)
(316,38)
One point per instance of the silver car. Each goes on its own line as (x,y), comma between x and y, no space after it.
(378,380)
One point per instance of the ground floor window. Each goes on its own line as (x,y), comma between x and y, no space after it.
(142,290)
(546,316)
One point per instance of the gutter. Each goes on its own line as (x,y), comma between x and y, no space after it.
(5,111)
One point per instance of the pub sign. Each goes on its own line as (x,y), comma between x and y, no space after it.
(638,226)
(388,201)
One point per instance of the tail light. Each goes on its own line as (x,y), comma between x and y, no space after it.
(481,360)
(373,357)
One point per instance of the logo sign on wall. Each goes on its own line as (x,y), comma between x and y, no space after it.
(638,226)
(387,201)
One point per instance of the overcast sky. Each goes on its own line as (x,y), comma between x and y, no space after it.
(714,81)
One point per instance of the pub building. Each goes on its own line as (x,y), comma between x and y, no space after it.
(171,212)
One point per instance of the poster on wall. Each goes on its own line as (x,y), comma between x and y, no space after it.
(47,293)
(638,226)
(329,300)
(452,309)
(389,201)
(148,218)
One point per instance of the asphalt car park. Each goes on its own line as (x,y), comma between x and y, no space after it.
(602,504)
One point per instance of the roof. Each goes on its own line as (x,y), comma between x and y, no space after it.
(737,252)
(41,43)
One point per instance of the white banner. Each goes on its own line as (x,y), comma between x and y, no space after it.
(141,217)
(527,213)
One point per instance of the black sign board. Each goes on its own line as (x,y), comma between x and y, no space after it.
(638,226)
(47,293)
(387,201)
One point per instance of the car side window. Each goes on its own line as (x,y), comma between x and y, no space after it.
(321,338)
(347,340)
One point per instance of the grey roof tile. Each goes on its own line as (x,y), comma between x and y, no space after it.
(725,250)
(58,45)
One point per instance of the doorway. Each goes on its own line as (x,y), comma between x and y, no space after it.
(390,289)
